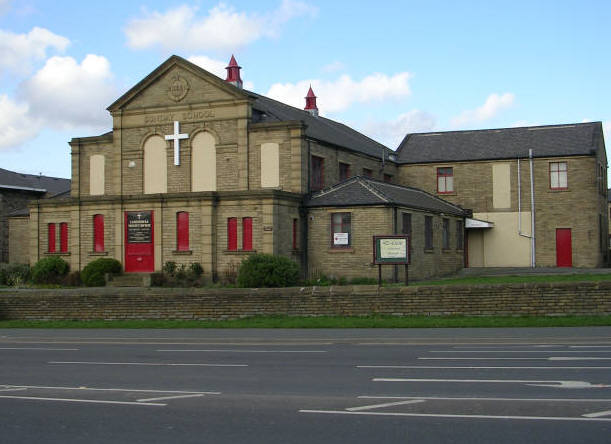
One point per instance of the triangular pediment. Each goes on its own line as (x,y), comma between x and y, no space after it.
(177,82)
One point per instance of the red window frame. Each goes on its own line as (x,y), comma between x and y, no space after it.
(344,226)
(247,233)
(294,234)
(317,176)
(232,233)
(558,172)
(63,237)
(51,238)
(98,233)
(182,231)
(344,171)
(443,173)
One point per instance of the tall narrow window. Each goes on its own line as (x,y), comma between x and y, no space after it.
(51,238)
(98,233)
(445,180)
(203,162)
(446,234)
(406,228)
(341,236)
(428,232)
(317,181)
(232,234)
(558,176)
(270,165)
(182,231)
(295,226)
(344,171)
(96,174)
(460,242)
(63,237)
(247,233)
(367,172)
(155,165)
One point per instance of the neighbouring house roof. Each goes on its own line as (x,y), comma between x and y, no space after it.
(505,143)
(363,191)
(34,183)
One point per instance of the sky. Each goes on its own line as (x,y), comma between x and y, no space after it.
(384,68)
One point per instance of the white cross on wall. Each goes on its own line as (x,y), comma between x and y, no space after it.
(176,138)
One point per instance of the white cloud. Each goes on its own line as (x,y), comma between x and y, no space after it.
(18,51)
(16,126)
(216,67)
(391,133)
(494,104)
(223,28)
(65,94)
(340,94)
(333,67)
(5,6)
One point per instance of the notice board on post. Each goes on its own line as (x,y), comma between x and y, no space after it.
(391,250)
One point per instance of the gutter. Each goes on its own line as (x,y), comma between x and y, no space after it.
(13,187)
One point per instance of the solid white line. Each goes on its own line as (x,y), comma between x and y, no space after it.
(145,363)
(109,389)
(388,404)
(39,348)
(439,415)
(468,380)
(552,358)
(443,398)
(12,389)
(508,346)
(162,398)
(598,414)
(589,346)
(92,401)
(519,351)
(248,351)
(573,358)
(482,367)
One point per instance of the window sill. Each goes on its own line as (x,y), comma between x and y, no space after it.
(429,250)
(182,252)
(449,193)
(57,253)
(341,250)
(98,253)
(557,190)
(240,252)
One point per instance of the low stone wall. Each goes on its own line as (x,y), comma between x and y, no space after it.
(558,299)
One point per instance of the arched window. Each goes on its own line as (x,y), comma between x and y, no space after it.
(203,162)
(96,174)
(155,166)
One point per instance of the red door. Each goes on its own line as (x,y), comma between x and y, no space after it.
(564,250)
(139,242)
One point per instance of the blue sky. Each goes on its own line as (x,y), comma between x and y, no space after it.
(384,68)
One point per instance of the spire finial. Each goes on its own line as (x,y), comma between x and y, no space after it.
(233,73)
(311,102)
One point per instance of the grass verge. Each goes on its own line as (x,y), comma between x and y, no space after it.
(333,322)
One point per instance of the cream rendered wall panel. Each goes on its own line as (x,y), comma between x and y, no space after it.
(501,185)
(203,162)
(476,248)
(270,165)
(155,166)
(96,175)
(502,245)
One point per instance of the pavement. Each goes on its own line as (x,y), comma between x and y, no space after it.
(306,386)
(521,271)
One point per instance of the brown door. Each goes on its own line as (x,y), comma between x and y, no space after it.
(564,249)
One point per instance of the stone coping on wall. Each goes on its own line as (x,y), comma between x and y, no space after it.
(526,299)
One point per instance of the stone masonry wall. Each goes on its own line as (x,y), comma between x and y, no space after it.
(542,299)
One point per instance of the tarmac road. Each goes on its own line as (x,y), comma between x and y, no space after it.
(306,386)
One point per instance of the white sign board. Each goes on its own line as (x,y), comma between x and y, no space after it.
(340,238)
(393,248)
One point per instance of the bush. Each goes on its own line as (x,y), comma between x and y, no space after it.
(170,268)
(50,270)
(196,269)
(93,273)
(265,270)
(72,279)
(14,275)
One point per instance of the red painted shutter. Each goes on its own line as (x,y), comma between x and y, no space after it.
(63,237)
(182,231)
(98,233)
(51,238)
(294,234)
(247,233)
(232,234)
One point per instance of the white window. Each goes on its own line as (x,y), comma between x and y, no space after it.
(558,176)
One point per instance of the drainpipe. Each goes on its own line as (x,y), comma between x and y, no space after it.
(520,204)
(532,211)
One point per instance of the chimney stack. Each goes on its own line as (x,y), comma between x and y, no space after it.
(311,103)
(233,73)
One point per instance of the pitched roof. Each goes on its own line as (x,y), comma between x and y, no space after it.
(33,182)
(361,191)
(319,128)
(505,143)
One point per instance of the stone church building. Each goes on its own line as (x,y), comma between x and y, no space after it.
(197,169)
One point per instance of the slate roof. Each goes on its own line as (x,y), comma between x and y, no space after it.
(505,143)
(362,191)
(33,182)
(319,128)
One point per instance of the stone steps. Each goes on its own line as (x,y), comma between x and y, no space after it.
(129,280)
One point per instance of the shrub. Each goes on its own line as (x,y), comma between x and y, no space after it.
(169,268)
(50,270)
(72,279)
(196,269)
(93,273)
(14,275)
(265,270)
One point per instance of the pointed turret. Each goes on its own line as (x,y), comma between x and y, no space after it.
(311,102)
(233,73)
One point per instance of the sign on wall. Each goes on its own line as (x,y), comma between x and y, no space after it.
(139,227)
(392,249)
(340,238)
